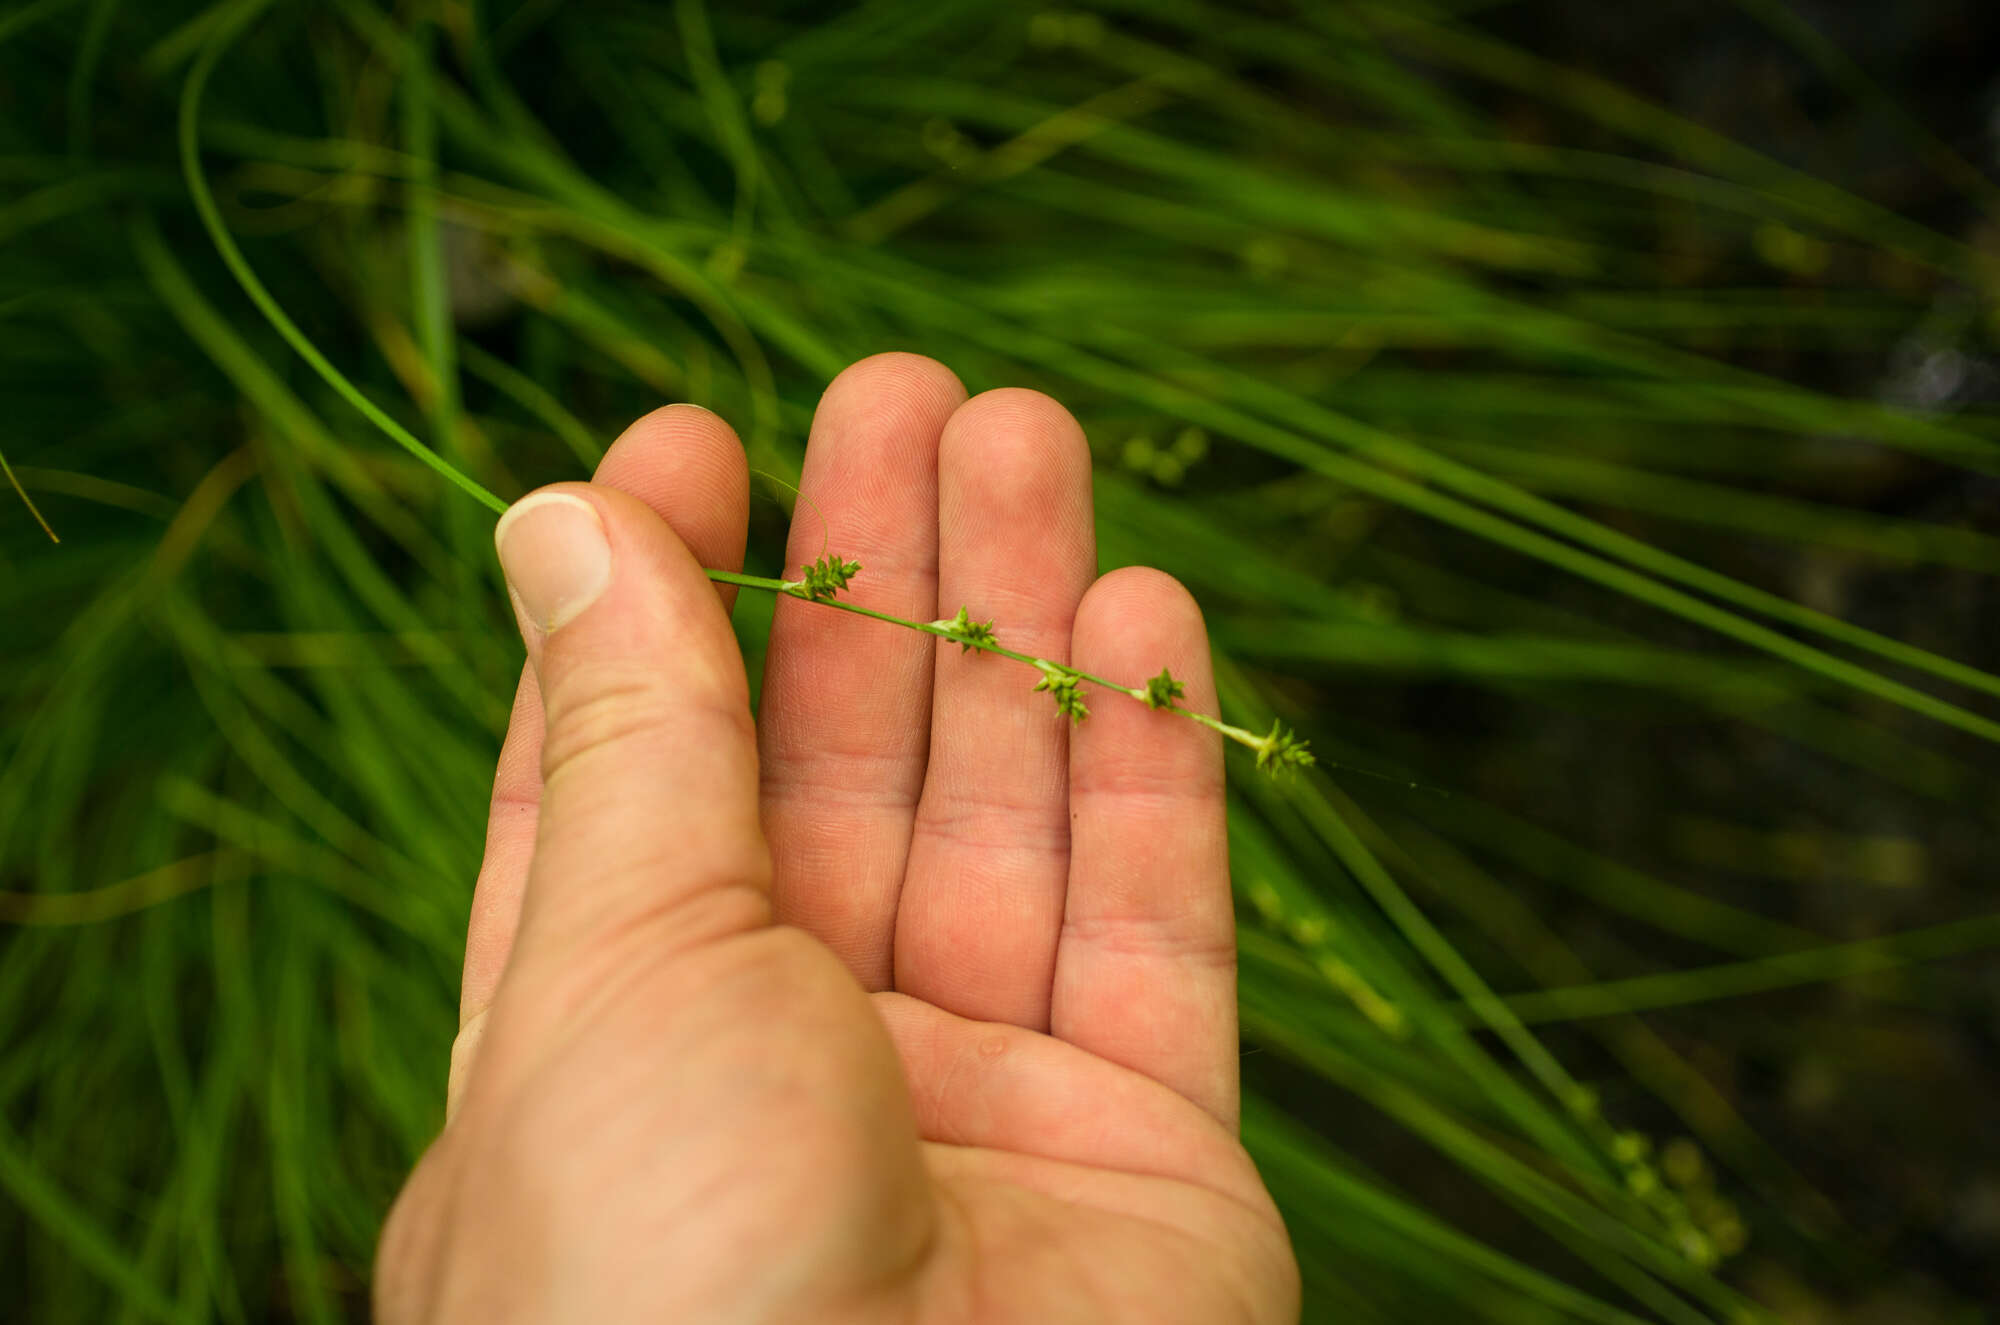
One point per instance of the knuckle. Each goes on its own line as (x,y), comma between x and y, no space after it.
(464,1049)
(606,710)
(1203,946)
(725,899)
(622,708)
(777,972)
(1157,793)
(996,821)
(853,773)
(968,1077)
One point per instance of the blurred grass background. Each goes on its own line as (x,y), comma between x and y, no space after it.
(1578,421)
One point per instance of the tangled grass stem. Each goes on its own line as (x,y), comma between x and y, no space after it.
(1277,751)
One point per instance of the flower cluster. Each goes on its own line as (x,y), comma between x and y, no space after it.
(968,634)
(1161,691)
(1283,752)
(1066,687)
(827,577)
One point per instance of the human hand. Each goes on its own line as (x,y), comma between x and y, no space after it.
(983,1066)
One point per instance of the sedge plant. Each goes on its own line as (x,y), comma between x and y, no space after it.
(1584,458)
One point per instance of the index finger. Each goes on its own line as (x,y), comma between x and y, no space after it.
(845,719)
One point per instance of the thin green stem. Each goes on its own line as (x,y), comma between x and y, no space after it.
(239,267)
(1275,750)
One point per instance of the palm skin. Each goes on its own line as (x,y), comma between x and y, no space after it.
(922,1011)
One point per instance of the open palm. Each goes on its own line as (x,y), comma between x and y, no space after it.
(983,1064)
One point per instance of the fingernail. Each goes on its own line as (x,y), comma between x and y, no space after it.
(556,556)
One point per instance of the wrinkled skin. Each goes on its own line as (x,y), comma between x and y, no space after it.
(910,1002)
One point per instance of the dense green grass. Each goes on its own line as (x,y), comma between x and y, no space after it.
(1576,477)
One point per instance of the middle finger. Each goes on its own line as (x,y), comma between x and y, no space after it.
(981,909)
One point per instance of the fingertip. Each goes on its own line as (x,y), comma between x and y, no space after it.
(871,464)
(896,380)
(556,553)
(687,465)
(1015,519)
(679,426)
(1143,600)
(1137,619)
(620,576)
(1022,436)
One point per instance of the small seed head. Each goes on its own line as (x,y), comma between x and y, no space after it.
(825,578)
(969,634)
(1163,690)
(1283,752)
(1066,688)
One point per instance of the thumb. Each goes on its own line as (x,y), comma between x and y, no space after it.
(649,758)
